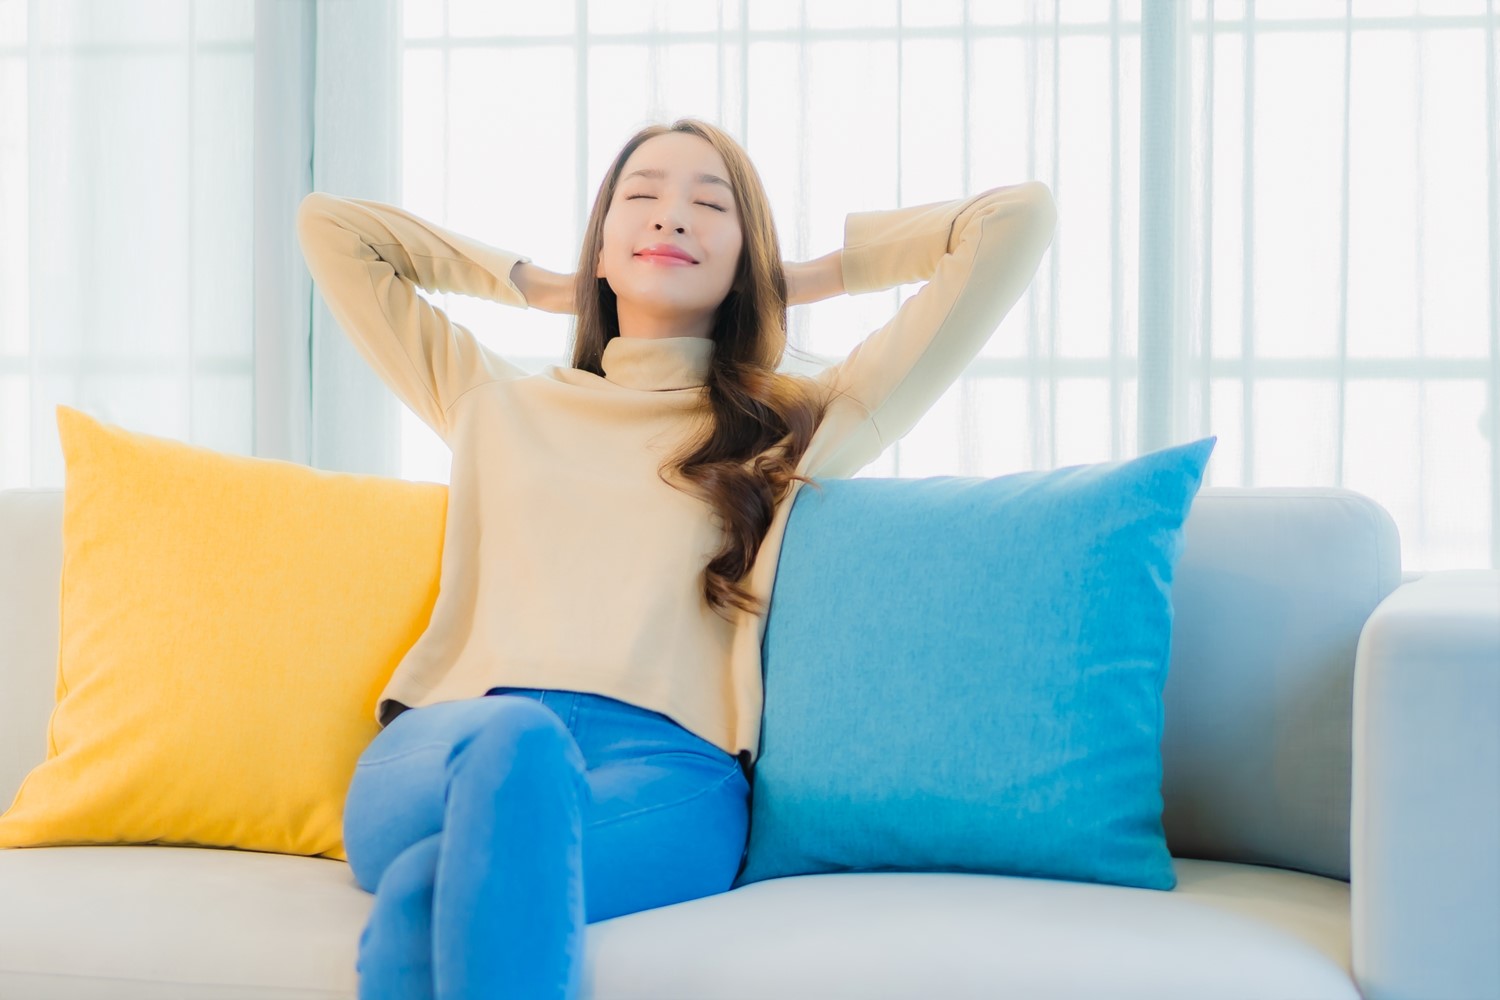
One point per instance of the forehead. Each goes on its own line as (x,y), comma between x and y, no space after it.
(677,156)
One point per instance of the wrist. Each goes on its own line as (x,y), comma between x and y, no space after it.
(546,290)
(825,277)
(834,265)
(561,291)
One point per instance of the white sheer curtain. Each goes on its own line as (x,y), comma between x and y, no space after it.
(125,224)
(152,156)
(1278,219)
(1340,266)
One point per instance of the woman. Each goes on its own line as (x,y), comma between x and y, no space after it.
(572,736)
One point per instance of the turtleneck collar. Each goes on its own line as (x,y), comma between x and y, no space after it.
(657,362)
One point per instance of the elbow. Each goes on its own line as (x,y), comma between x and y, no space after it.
(1025,210)
(314,197)
(312,211)
(310,205)
(1043,206)
(317,204)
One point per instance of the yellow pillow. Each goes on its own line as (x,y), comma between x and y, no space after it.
(226,625)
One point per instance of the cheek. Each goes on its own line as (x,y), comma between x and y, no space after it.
(614,225)
(616,250)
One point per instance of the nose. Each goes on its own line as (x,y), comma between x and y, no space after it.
(671,214)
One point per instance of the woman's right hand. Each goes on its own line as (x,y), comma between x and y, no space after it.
(546,290)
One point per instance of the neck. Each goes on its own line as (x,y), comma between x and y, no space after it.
(649,324)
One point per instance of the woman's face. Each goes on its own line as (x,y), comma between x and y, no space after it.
(676,206)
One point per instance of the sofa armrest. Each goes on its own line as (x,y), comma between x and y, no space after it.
(1425,813)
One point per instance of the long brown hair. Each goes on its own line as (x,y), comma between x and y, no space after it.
(761,421)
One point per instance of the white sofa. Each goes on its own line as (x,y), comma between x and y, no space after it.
(1332,801)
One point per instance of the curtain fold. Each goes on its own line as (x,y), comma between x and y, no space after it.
(356,154)
(285,120)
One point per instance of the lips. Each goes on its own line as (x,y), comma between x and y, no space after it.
(666,250)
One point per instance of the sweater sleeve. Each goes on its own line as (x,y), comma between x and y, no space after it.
(977,256)
(368,258)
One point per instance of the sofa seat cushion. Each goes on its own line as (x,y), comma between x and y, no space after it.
(151,922)
(1226,930)
(172,923)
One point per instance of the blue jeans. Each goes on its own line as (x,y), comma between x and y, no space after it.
(492,829)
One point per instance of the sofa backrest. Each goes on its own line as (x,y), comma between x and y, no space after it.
(30,592)
(1271,592)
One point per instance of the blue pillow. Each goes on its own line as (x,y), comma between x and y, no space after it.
(965,674)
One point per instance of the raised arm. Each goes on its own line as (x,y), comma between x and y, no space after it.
(368,259)
(977,256)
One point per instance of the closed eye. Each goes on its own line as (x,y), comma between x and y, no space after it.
(708,203)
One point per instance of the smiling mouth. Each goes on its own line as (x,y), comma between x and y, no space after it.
(665,258)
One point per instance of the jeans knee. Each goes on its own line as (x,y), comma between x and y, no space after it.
(526,735)
(396,797)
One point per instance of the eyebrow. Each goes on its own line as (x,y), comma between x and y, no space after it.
(659,174)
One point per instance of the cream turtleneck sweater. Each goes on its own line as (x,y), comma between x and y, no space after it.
(567,563)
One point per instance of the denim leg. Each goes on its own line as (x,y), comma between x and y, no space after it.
(397,795)
(663,829)
(395,949)
(508,911)
(493,783)
(489,842)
